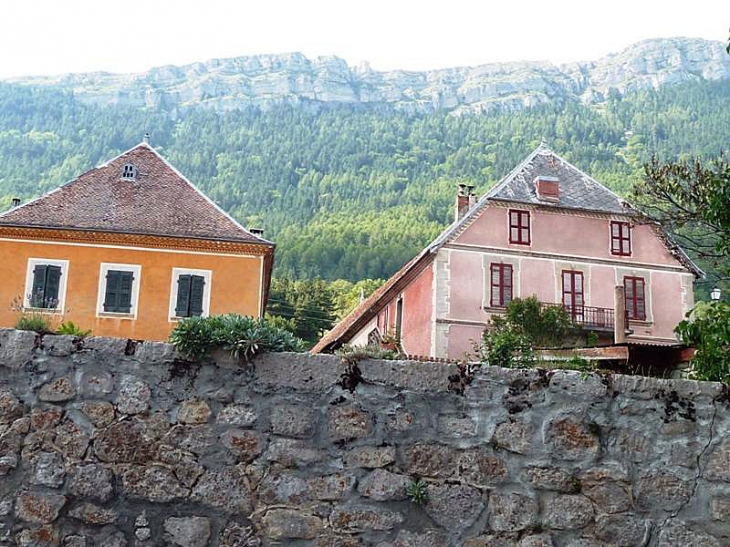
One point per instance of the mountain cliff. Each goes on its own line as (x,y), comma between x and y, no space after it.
(268,80)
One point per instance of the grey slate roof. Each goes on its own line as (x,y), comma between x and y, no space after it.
(577,189)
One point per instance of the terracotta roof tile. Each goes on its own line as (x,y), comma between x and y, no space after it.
(160,201)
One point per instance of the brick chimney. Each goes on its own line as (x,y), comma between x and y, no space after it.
(462,202)
(547,188)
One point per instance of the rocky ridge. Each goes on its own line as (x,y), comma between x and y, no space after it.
(264,81)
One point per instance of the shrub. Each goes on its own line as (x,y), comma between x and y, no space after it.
(34,321)
(417,491)
(707,328)
(242,336)
(509,340)
(72,329)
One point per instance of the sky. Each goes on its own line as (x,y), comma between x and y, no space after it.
(59,36)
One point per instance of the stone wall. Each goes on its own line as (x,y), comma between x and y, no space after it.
(110,443)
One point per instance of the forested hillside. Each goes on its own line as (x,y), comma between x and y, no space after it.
(351,192)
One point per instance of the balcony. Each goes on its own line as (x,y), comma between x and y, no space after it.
(590,317)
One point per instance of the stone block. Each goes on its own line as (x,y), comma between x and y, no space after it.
(481,467)
(455,507)
(292,452)
(281,487)
(281,524)
(93,514)
(134,396)
(679,534)
(571,439)
(549,477)
(153,483)
(47,469)
(349,422)
(513,435)
(569,512)
(38,507)
(58,391)
(292,420)
(623,530)
(353,519)
(303,372)
(609,497)
(237,415)
(330,487)
(226,489)
(382,485)
(408,375)
(244,444)
(662,490)
(511,511)
(10,407)
(193,411)
(431,460)
(187,531)
(456,426)
(16,347)
(99,413)
(93,481)
(370,457)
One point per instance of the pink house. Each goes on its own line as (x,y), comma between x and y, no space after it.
(547,229)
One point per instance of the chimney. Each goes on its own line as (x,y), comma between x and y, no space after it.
(462,202)
(472,196)
(547,188)
(15,203)
(146,138)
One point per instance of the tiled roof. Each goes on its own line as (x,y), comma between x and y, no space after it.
(160,201)
(577,190)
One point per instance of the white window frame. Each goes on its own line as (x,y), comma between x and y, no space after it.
(104,268)
(32,263)
(177,272)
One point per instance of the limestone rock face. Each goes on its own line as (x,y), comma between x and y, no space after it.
(268,80)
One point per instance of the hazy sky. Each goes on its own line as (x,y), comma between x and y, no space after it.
(56,36)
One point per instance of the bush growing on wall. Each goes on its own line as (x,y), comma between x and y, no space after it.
(707,328)
(242,336)
(509,339)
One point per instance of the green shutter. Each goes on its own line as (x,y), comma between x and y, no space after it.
(124,302)
(197,285)
(112,290)
(37,293)
(182,307)
(118,295)
(53,282)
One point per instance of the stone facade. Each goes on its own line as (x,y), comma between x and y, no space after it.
(105,443)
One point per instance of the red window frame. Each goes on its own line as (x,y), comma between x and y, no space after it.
(500,285)
(576,290)
(620,238)
(519,227)
(635,297)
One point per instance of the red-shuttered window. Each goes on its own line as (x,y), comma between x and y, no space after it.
(501,285)
(635,298)
(519,227)
(573,295)
(620,238)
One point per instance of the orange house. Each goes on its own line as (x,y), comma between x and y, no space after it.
(127,249)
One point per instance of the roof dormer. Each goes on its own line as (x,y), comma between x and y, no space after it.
(129,172)
(547,188)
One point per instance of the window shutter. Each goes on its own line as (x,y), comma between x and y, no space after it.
(37,294)
(53,282)
(124,301)
(182,307)
(111,291)
(197,284)
(118,295)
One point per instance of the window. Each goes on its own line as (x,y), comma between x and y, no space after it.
(519,227)
(399,318)
(501,285)
(118,289)
(635,298)
(45,284)
(190,293)
(129,172)
(573,297)
(620,238)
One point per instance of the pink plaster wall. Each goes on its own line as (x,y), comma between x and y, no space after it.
(601,286)
(466,293)
(565,234)
(417,314)
(537,277)
(666,301)
(462,338)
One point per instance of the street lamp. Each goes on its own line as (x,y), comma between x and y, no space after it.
(715,294)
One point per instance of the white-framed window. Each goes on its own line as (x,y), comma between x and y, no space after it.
(189,293)
(45,284)
(118,290)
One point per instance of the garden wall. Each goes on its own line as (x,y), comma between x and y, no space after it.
(110,443)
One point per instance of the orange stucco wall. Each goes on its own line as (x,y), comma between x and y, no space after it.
(235,284)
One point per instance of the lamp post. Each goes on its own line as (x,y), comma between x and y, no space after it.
(715,294)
